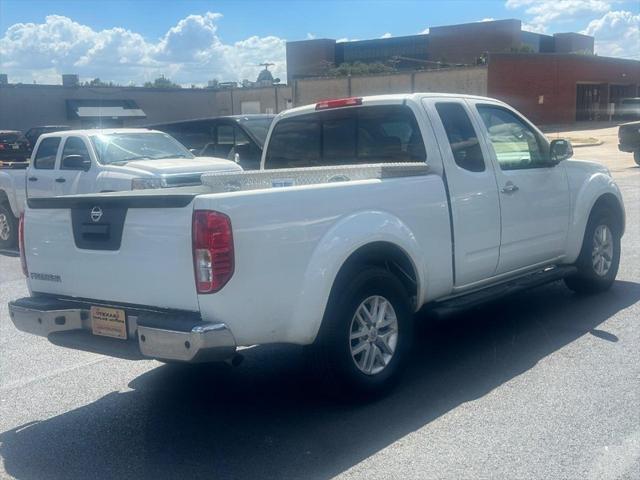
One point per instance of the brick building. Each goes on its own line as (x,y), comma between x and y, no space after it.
(550,78)
(562,88)
(465,44)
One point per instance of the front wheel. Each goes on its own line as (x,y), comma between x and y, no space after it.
(600,254)
(8,228)
(366,334)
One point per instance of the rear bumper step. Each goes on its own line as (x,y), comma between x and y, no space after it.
(179,336)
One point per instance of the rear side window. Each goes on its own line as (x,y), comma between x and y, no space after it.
(462,137)
(380,134)
(45,158)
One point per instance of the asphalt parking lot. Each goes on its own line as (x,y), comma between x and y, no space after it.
(545,384)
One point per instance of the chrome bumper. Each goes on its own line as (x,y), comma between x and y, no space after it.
(69,325)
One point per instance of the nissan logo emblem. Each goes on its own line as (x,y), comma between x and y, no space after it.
(96,214)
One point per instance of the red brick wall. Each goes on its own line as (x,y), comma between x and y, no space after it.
(519,79)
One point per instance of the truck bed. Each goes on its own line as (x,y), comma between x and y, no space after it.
(289,242)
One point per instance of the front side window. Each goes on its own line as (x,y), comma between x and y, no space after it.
(225,135)
(462,137)
(258,127)
(193,135)
(120,148)
(75,146)
(347,136)
(45,158)
(516,145)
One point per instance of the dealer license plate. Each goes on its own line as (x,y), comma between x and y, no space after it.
(109,322)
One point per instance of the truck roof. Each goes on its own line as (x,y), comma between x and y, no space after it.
(383,99)
(97,131)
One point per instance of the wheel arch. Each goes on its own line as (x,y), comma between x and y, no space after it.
(375,238)
(381,254)
(598,191)
(610,201)
(9,201)
(386,255)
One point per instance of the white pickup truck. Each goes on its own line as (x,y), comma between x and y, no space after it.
(367,209)
(93,161)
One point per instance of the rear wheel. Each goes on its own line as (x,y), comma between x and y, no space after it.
(600,255)
(8,228)
(366,334)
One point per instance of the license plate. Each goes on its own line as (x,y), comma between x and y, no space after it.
(15,147)
(109,322)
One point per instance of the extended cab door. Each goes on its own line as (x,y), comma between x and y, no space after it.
(76,172)
(534,193)
(472,189)
(41,173)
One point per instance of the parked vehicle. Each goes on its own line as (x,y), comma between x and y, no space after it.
(629,139)
(629,108)
(237,137)
(86,161)
(12,149)
(403,202)
(32,135)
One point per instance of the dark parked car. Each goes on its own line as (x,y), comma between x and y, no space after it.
(33,134)
(236,137)
(629,139)
(12,146)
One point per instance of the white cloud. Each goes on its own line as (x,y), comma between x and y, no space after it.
(617,34)
(190,52)
(488,19)
(425,31)
(386,35)
(544,12)
(535,28)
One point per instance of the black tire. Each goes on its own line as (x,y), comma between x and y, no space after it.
(332,351)
(8,228)
(587,279)
(636,157)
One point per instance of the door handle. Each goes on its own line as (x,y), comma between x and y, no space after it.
(33,179)
(510,187)
(61,180)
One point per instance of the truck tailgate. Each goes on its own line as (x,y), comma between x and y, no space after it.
(132,249)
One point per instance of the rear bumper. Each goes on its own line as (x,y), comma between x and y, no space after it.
(179,336)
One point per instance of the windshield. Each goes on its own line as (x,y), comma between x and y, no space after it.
(125,147)
(259,127)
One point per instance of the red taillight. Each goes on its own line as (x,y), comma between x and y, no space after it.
(339,102)
(1,146)
(23,255)
(213,256)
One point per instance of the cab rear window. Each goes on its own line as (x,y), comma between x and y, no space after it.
(346,136)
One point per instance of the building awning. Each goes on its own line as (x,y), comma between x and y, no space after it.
(88,109)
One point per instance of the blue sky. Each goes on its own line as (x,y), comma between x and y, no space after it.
(193,41)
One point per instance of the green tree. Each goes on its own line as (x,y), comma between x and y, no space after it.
(96,82)
(360,68)
(522,48)
(161,82)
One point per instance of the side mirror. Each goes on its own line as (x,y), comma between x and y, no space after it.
(76,162)
(559,150)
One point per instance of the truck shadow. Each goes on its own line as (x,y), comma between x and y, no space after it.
(265,418)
